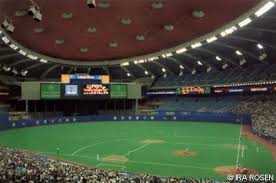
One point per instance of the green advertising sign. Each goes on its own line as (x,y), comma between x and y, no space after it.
(50,91)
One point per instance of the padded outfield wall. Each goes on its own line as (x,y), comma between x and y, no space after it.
(178,116)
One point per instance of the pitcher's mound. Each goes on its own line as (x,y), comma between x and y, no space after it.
(185,153)
(152,141)
(231,170)
(115,159)
(235,146)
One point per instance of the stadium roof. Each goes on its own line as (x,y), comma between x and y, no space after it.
(133,39)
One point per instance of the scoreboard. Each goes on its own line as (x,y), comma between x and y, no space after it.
(95,91)
(80,87)
(118,91)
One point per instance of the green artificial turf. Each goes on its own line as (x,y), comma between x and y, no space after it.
(81,142)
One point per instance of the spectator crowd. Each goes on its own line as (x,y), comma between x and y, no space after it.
(263,114)
(26,167)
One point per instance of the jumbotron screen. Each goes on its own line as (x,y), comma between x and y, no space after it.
(50,91)
(71,90)
(195,90)
(96,91)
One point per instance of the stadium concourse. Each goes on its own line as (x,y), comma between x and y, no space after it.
(145,91)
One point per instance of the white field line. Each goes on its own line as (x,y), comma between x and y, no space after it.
(85,147)
(156,163)
(209,145)
(179,136)
(238,153)
(93,145)
(137,149)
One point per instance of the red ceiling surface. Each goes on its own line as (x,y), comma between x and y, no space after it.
(145,20)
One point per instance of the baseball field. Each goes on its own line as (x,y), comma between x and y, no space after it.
(190,149)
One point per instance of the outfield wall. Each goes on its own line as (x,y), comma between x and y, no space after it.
(162,116)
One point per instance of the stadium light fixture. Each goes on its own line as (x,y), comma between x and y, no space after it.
(5,39)
(22,52)
(7,24)
(260,46)
(6,68)
(32,10)
(146,73)
(182,50)
(199,62)
(243,61)
(128,74)
(163,70)
(218,58)
(91,3)
(10,28)
(180,73)
(14,47)
(211,39)
(14,71)
(196,45)
(32,57)
(209,69)
(24,73)
(224,66)
(43,61)
(238,52)
(228,31)
(125,64)
(37,16)
(167,55)
(262,57)
(245,22)
(264,9)
(193,72)
(181,66)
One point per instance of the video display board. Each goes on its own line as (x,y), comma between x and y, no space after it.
(84,78)
(71,90)
(118,91)
(50,91)
(161,92)
(95,91)
(195,90)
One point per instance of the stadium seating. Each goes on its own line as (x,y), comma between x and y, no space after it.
(203,104)
(256,72)
(23,166)
(263,111)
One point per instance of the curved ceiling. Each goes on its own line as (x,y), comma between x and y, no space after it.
(116,29)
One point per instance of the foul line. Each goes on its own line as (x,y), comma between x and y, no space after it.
(238,153)
(127,138)
(92,145)
(161,164)
(85,147)
(149,163)
(134,150)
